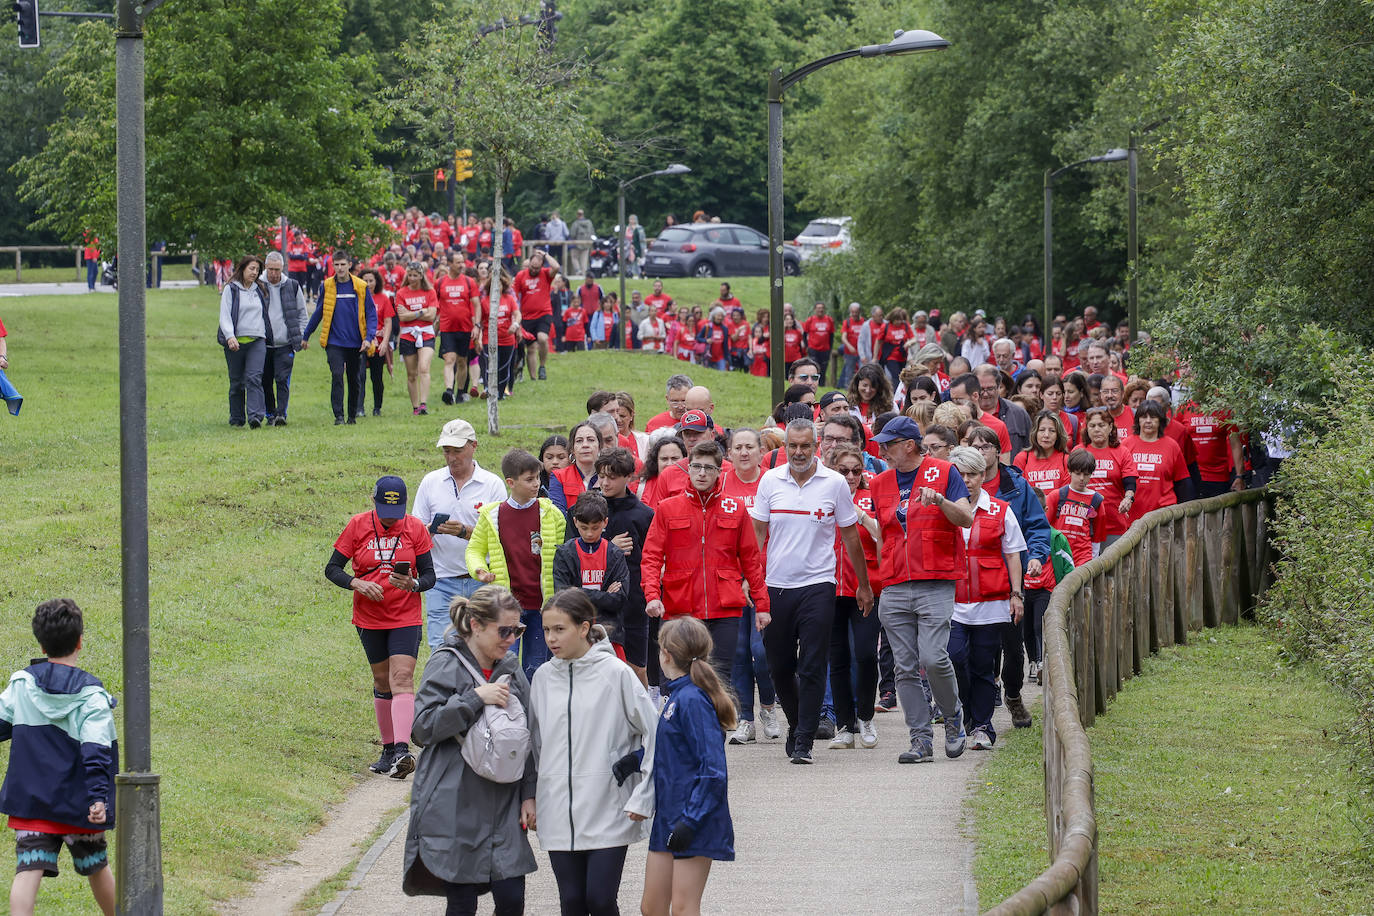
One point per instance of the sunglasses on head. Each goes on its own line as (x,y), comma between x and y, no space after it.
(509,632)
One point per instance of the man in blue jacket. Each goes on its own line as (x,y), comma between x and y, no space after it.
(347,319)
(1012,488)
(59,788)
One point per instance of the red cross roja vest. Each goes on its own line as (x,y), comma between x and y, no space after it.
(930,546)
(593,565)
(986,577)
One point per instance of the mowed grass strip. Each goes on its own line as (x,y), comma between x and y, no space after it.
(1221,788)
(260,689)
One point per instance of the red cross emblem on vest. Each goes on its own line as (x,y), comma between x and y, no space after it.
(932,473)
(994,508)
(728,505)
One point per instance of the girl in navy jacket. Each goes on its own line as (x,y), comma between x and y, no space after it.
(692,823)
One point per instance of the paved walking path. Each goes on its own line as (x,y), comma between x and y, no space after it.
(855,833)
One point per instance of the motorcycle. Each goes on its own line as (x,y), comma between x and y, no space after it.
(603,260)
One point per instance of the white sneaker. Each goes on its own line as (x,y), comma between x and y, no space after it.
(843,740)
(744,732)
(768,717)
(980,740)
(868,734)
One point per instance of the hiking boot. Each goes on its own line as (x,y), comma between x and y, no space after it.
(254,423)
(447,396)
(386,761)
(919,753)
(955,737)
(981,740)
(868,734)
(744,733)
(1020,715)
(844,741)
(543,376)
(768,718)
(826,729)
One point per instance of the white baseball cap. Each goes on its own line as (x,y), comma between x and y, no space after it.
(457,433)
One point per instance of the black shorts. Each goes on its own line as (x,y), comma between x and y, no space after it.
(537,326)
(379,645)
(408,347)
(459,342)
(635,631)
(35,851)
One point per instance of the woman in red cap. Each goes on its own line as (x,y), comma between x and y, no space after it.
(389,551)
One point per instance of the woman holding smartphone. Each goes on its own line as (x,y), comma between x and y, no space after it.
(390,555)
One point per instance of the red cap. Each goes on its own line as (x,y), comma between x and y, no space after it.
(696,420)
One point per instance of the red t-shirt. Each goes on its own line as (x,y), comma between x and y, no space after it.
(1044,473)
(659,421)
(575,325)
(372,550)
(533,290)
(894,343)
(716,341)
(739,334)
(820,332)
(414,300)
(662,304)
(791,345)
(991,422)
(1183,439)
(1211,434)
(1125,424)
(523,547)
(851,329)
(923,336)
(1159,465)
(1113,466)
(505,320)
(385,310)
(731,487)
(1077,520)
(38,825)
(455,303)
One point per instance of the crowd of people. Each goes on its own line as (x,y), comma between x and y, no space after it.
(605,609)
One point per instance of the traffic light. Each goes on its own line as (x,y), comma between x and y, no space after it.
(462,165)
(439,179)
(26,14)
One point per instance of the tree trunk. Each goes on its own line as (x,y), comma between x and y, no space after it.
(494,306)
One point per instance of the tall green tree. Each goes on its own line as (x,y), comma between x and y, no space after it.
(253,112)
(514,101)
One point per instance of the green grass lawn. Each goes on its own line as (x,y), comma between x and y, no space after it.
(1220,785)
(70,274)
(261,713)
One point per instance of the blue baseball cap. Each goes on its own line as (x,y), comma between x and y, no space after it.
(389,497)
(899,428)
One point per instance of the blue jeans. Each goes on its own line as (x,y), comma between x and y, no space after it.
(722,364)
(851,366)
(973,650)
(92,272)
(533,650)
(276,380)
(437,600)
(751,664)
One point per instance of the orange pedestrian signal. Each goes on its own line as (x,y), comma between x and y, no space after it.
(439,179)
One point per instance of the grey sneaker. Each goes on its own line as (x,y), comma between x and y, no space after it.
(844,741)
(744,733)
(919,753)
(826,729)
(768,718)
(1020,715)
(868,735)
(802,756)
(955,738)
(981,740)
(405,765)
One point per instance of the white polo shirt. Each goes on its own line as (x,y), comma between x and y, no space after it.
(801,524)
(437,493)
(982,613)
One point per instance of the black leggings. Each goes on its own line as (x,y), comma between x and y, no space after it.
(850,622)
(588,882)
(508,894)
(376,366)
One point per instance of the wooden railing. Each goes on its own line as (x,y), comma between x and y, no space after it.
(1178,569)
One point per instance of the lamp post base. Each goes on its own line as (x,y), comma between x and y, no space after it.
(138,852)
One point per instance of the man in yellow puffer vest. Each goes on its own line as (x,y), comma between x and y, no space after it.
(347,319)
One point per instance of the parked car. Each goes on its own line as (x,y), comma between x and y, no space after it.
(713,250)
(822,235)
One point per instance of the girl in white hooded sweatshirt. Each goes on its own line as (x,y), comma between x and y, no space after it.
(594,747)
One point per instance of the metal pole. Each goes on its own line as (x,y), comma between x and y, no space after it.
(622,260)
(139,848)
(1132,240)
(1049,259)
(282,243)
(776,351)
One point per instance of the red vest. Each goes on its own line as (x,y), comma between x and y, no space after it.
(593,565)
(930,546)
(986,577)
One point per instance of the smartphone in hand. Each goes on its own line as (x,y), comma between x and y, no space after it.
(402,568)
(439,519)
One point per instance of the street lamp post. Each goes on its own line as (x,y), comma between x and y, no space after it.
(1111,155)
(912,42)
(676,168)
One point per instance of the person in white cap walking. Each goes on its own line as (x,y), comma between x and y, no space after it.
(446,502)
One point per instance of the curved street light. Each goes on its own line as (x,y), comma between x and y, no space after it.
(912,42)
(1115,154)
(676,168)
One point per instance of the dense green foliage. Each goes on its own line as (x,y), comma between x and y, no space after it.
(252,113)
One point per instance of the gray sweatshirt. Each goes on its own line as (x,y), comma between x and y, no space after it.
(250,323)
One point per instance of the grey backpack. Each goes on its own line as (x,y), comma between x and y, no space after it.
(499,741)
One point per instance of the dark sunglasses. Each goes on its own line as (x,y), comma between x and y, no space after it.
(509,632)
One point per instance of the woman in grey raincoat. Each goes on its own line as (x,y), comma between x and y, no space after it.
(467,833)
